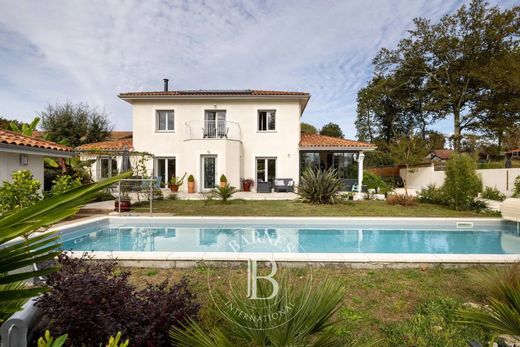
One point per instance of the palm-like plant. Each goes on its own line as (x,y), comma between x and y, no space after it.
(16,256)
(320,186)
(305,324)
(501,314)
(223,193)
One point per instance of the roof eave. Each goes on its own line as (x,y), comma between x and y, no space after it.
(12,148)
(337,148)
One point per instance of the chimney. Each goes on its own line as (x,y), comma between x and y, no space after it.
(165,84)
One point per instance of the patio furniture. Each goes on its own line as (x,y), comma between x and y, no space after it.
(354,188)
(283,185)
(263,187)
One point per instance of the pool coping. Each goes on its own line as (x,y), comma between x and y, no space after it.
(190,259)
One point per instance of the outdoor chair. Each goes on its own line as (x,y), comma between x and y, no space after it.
(263,187)
(283,185)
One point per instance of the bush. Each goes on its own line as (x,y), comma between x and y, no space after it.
(22,192)
(64,183)
(320,187)
(462,183)
(434,325)
(516,189)
(433,195)
(373,181)
(223,193)
(493,194)
(89,302)
(401,199)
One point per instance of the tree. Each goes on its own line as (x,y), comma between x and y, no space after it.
(435,140)
(331,129)
(408,151)
(76,124)
(447,59)
(5,123)
(23,191)
(308,128)
(24,128)
(462,183)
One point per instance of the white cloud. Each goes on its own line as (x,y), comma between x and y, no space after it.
(92,50)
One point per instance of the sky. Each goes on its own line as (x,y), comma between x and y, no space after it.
(91,50)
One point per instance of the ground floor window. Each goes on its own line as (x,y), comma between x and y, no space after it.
(165,170)
(107,167)
(265,169)
(341,161)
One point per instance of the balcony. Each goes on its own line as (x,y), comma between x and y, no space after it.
(210,129)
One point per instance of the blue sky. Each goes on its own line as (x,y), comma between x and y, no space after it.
(89,51)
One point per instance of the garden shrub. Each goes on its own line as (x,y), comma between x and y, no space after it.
(320,186)
(22,192)
(432,195)
(462,183)
(89,301)
(516,189)
(434,325)
(373,181)
(224,193)
(64,183)
(401,199)
(493,194)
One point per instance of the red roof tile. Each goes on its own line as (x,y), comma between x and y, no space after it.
(114,145)
(316,140)
(12,138)
(443,154)
(245,92)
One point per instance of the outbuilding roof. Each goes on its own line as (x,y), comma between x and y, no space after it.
(316,140)
(12,138)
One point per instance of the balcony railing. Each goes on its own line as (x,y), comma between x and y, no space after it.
(210,129)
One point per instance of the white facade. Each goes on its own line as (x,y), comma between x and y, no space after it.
(235,143)
(11,162)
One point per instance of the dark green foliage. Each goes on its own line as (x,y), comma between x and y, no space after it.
(462,183)
(516,190)
(22,192)
(434,325)
(75,124)
(433,195)
(64,183)
(331,129)
(493,194)
(308,128)
(5,123)
(89,301)
(223,193)
(320,186)
(373,181)
(378,158)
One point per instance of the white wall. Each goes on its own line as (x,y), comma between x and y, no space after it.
(235,159)
(10,162)
(501,179)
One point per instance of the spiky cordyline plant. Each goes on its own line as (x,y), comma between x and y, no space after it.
(307,323)
(320,186)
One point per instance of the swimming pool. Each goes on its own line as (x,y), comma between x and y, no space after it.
(293,238)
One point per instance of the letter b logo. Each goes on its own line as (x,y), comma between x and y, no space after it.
(252,279)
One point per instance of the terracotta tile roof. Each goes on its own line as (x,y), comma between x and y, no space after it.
(114,145)
(316,140)
(513,151)
(12,138)
(244,92)
(443,154)
(114,135)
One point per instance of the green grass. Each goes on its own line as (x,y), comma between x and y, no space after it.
(409,307)
(288,208)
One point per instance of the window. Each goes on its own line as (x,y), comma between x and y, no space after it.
(107,167)
(165,170)
(265,169)
(266,120)
(165,121)
(215,124)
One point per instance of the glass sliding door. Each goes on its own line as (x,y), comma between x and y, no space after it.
(265,169)
(107,167)
(208,171)
(165,169)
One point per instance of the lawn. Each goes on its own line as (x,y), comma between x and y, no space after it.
(410,307)
(286,208)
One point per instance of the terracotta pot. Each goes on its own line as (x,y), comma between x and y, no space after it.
(246,187)
(222,184)
(125,205)
(174,188)
(191,187)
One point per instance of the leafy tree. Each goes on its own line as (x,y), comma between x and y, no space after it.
(6,123)
(462,183)
(435,140)
(308,128)
(64,183)
(22,192)
(76,124)
(408,151)
(25,128)
(449,62)
(331,129)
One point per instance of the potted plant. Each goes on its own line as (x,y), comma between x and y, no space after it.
(191,184)
(176,182)
(125,197)
(247,183)
(223,181)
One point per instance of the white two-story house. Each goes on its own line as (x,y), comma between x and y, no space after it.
(243,134)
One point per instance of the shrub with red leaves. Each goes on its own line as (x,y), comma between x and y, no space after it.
(90,302)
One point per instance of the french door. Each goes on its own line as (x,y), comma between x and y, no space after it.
(208,172)
(265,169)
(214,124)
(165,170)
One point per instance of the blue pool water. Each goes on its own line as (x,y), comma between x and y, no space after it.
(441,237)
